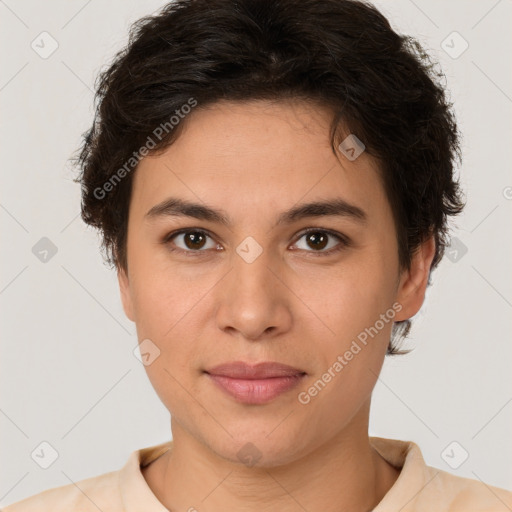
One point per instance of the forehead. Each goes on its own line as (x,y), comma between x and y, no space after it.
(257,157)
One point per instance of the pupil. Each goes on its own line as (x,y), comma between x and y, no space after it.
(195,238)
(319,240)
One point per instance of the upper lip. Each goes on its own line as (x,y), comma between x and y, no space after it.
(264,370)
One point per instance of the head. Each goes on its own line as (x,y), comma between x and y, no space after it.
(312,150)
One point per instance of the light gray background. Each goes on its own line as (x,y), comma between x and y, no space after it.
(68,373)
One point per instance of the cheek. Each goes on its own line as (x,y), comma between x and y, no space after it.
(352,352)
(164,305)
(350,296)
(161,293)
(169,303)
(350,300)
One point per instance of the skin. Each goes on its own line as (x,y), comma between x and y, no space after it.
(291,305)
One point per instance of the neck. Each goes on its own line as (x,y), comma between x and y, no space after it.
(344,473)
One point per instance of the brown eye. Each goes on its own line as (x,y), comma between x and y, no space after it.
(194,239)
(317,240)
(189,241)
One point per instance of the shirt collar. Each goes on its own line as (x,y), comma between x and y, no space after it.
(415,475)
(135,491)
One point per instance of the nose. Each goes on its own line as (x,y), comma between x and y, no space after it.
(254,301)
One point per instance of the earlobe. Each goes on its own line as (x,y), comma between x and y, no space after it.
(124,288)
(413,282)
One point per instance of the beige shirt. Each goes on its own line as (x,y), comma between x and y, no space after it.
(419,488)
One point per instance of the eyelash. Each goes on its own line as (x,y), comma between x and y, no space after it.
(344,241)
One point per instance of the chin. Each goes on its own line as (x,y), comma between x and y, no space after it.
(259,449)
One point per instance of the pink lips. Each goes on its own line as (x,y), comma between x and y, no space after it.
(255,384)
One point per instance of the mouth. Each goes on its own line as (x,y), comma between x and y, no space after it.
(255,384)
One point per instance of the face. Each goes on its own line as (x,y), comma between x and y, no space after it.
(302,289)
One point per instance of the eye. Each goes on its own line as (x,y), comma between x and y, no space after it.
(191,240)
(195,241)
(318,239)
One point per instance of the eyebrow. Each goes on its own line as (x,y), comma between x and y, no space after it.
(337,207)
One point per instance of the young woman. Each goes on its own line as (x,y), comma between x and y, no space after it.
(273,181)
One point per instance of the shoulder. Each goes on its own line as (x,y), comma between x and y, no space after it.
(91,494)
(467,494)
(424,488)
(108,492)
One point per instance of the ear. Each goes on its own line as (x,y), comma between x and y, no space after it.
(126,297)
(413,283)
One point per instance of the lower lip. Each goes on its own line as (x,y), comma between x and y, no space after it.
(256,391)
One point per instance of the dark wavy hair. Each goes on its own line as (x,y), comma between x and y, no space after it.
(343,54)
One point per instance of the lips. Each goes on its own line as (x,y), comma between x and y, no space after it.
(255,384)
(265,370)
